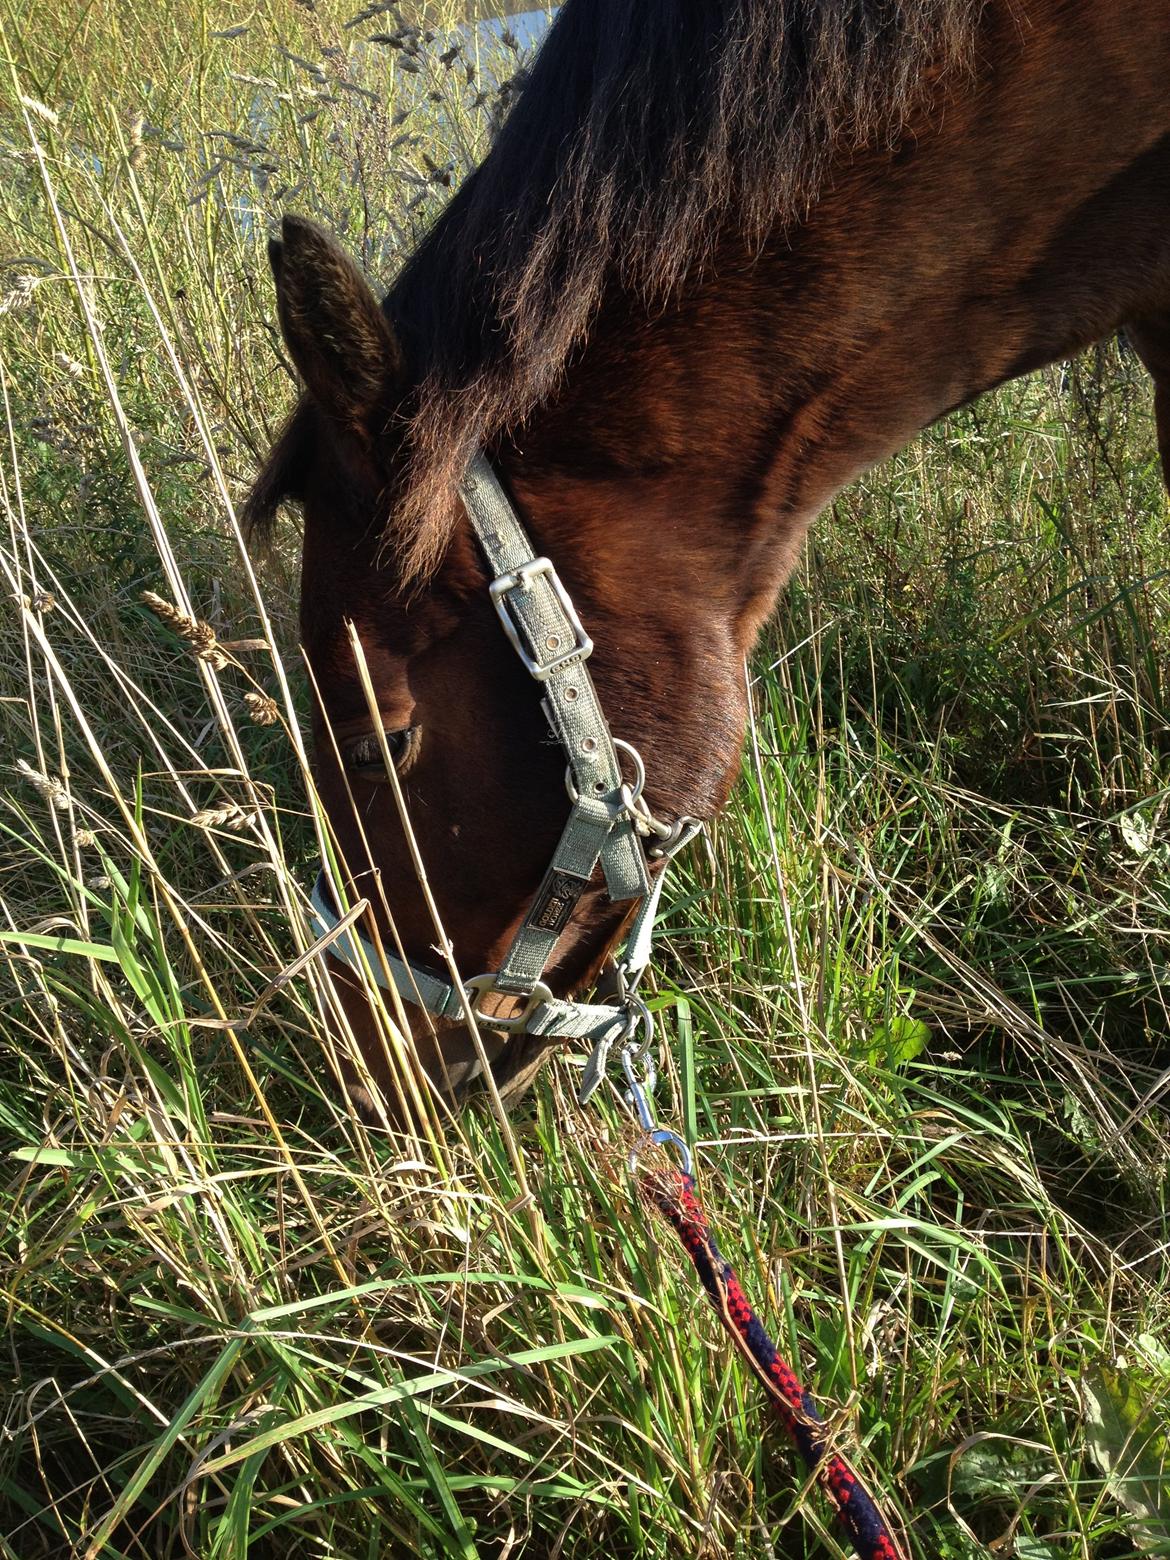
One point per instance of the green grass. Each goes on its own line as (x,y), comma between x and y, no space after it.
(914,992)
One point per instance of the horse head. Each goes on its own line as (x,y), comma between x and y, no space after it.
(482,777)
(707,275)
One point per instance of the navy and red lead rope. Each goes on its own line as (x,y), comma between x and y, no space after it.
(672,1192)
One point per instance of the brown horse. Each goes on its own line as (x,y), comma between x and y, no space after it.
(724,256)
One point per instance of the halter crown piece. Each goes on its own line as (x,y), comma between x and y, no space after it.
(609,823)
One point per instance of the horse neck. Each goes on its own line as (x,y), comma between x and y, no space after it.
(1027,220)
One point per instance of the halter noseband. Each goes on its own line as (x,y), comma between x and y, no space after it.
(609,822)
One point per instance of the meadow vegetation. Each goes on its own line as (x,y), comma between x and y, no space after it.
(914,991)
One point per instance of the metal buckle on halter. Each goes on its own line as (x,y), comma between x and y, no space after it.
(480,986)
(521,579)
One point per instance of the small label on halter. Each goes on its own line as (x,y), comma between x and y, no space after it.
(554,904)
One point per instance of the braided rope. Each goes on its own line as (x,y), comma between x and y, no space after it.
(673,1193)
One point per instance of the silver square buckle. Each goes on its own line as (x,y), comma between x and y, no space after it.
(522,579)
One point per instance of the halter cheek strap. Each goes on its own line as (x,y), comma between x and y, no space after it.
(608,823)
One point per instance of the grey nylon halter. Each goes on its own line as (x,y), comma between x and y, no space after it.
(608,822)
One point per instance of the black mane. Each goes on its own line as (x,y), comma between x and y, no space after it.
(647,129)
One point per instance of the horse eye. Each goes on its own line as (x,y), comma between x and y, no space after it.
(363,756)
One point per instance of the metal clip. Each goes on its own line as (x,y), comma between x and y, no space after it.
(637,1092)
(639,1097)
(641,1074)
(677,838)
(664,840)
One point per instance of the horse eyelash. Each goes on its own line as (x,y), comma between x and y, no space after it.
(366,752)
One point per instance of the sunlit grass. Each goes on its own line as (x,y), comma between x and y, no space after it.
(914,990)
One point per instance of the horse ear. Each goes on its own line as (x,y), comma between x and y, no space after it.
(338,336)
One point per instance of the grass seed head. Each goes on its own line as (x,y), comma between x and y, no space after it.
(41,110)
(48,787)
(230,816)
(198,634)
(262,709)
(20,294)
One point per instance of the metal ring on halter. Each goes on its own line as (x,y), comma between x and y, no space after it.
(637,1013)
(480,986)
(635,758)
